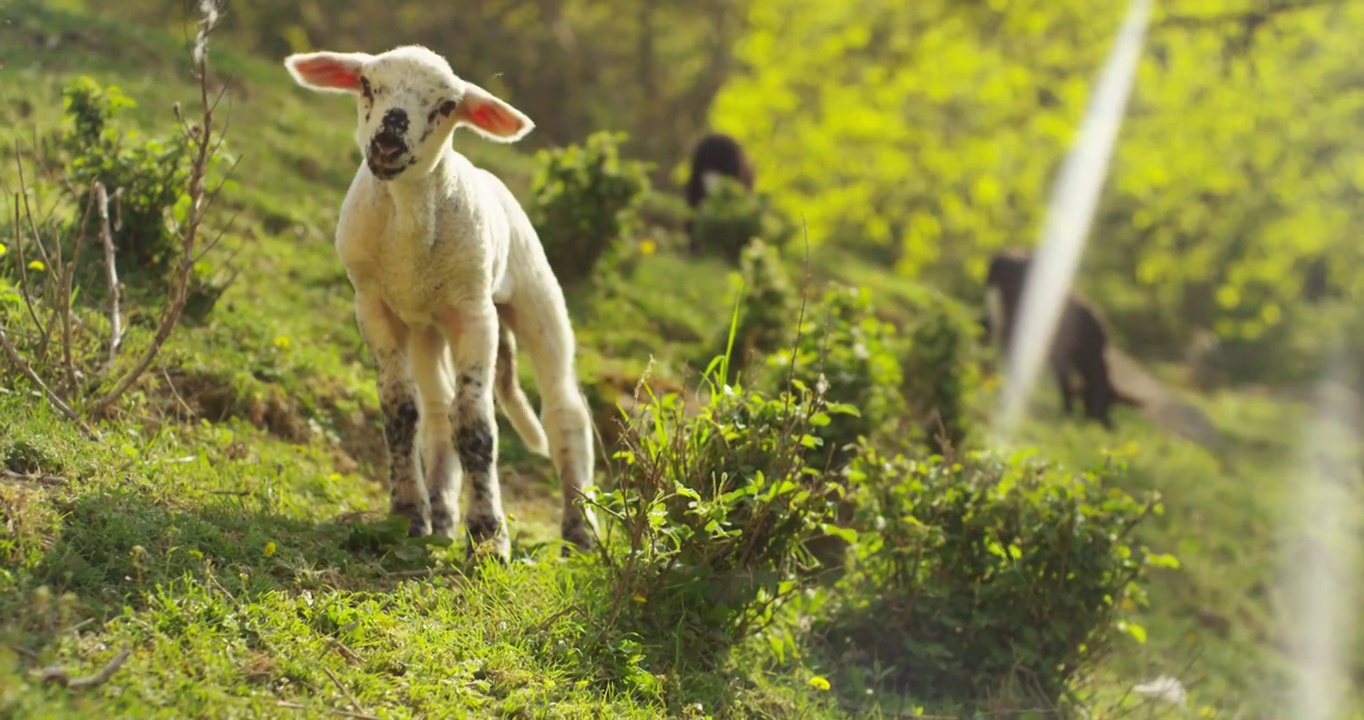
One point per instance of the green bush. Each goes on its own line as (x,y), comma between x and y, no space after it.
(148,175)
(846,346)
(708,519)
(731,216)
(767,312)
(147,182)
(989,576)
(939,372)
(583,203)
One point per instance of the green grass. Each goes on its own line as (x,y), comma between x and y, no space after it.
(229,529)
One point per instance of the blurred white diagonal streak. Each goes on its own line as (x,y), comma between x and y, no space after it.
(1070,213)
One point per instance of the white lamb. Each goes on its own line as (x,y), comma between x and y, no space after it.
(446,266)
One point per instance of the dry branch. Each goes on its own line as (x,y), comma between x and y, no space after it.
(58,675)
(106,234)
(203,140)
(354,703)
(334,711)
(36,478)
(12,353)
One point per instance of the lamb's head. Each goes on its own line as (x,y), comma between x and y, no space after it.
(408,101)
(1008,270)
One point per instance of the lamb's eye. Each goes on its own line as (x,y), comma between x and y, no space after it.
(448,107)
(364,86)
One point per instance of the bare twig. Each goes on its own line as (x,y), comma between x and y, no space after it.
(170,383)
(354,704)
(344,651)
(57,675)
(37,478)
(35,657)
(427,573)
(334,711)
(201,137)
(28,208)
(14,357)
(23,265)
(110,273)
(65,290)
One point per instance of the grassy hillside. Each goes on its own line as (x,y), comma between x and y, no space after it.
(228,529)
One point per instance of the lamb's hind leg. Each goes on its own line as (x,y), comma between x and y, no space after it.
(386,336)
(545,332)
(472,330)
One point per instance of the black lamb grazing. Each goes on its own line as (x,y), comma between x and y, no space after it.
(716,154)
(1078,345)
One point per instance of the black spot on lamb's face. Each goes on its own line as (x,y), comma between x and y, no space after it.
(406,101)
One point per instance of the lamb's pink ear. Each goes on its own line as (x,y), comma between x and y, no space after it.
(327,71)
(490,116)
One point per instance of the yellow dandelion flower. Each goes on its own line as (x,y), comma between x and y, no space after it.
(282,342)
(37,265)
(3,249)
(647,247)
(269,548)
(819,682)
(639,598)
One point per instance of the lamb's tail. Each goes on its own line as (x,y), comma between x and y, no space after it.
(1123,396)
(515,405)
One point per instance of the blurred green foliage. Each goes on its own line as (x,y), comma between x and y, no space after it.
(583,204)
(989,578)
(926,134)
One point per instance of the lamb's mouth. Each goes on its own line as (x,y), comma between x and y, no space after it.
(384,171)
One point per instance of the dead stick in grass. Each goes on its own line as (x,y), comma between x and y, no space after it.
(427,573)
(201,138)
(334,711)
(40,479)
(58,675)
(106,234)
(354,704)
(18,361)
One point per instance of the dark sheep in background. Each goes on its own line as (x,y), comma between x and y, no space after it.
(1079,343)
(716,154)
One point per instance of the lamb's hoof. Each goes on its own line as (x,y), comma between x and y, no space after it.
(578,537)
(417,524)
(488,536)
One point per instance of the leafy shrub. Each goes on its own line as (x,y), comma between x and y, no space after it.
(713,512)
(583,203)
(147,180)
(148,175)
(768,309)
(939,374)
(731,216)
(844,345)
(988,575)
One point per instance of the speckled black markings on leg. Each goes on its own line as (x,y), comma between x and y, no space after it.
(441,521)
(474,445)
(481,528)
(400,432)
(474,442)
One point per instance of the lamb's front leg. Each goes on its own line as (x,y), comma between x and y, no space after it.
(428,352)
(473,333)
(386,336)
